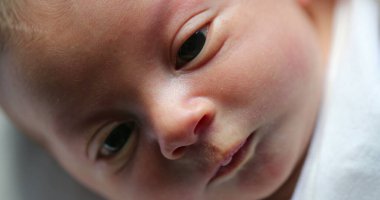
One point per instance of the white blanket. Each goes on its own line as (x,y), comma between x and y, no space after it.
(344,159)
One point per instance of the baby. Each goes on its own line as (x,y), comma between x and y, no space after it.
(187,99)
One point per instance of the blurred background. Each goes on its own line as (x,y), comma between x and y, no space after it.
(28,173)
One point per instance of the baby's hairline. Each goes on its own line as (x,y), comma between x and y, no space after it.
(14,26)
(8,19)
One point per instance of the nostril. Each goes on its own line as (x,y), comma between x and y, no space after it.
(199,128)
(202,124)
(178,152)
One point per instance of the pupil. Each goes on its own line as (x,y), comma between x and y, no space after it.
(192,47)
(118,137)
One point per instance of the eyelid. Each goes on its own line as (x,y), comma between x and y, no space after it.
(100,137)
(97,139)
(195,23)
(116,163)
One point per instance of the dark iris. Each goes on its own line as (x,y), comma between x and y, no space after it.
(118,138)
(191,48)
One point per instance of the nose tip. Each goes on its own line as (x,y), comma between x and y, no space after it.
(180,127)
(176,141)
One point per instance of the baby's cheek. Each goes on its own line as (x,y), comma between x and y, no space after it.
(297,67)
(268,170)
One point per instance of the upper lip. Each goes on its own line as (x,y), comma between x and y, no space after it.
(230,154)
(228,158)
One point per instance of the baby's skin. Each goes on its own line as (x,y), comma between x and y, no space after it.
(187,99)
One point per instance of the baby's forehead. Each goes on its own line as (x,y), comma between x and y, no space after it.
(58,41)
(69,35)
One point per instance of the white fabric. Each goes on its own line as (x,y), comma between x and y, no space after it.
(344,158)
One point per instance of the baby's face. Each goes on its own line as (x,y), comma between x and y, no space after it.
(163,99)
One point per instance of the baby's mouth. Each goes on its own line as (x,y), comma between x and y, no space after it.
(234,161)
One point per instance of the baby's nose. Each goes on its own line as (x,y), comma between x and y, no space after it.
(179,125)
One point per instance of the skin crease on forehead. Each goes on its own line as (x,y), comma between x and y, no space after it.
(95,63)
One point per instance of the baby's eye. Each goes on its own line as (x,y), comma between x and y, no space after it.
(191,48)
(117,139)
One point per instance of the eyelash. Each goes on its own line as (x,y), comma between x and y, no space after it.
(124,132)
(191,48)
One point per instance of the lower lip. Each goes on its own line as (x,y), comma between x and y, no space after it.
(239,159)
